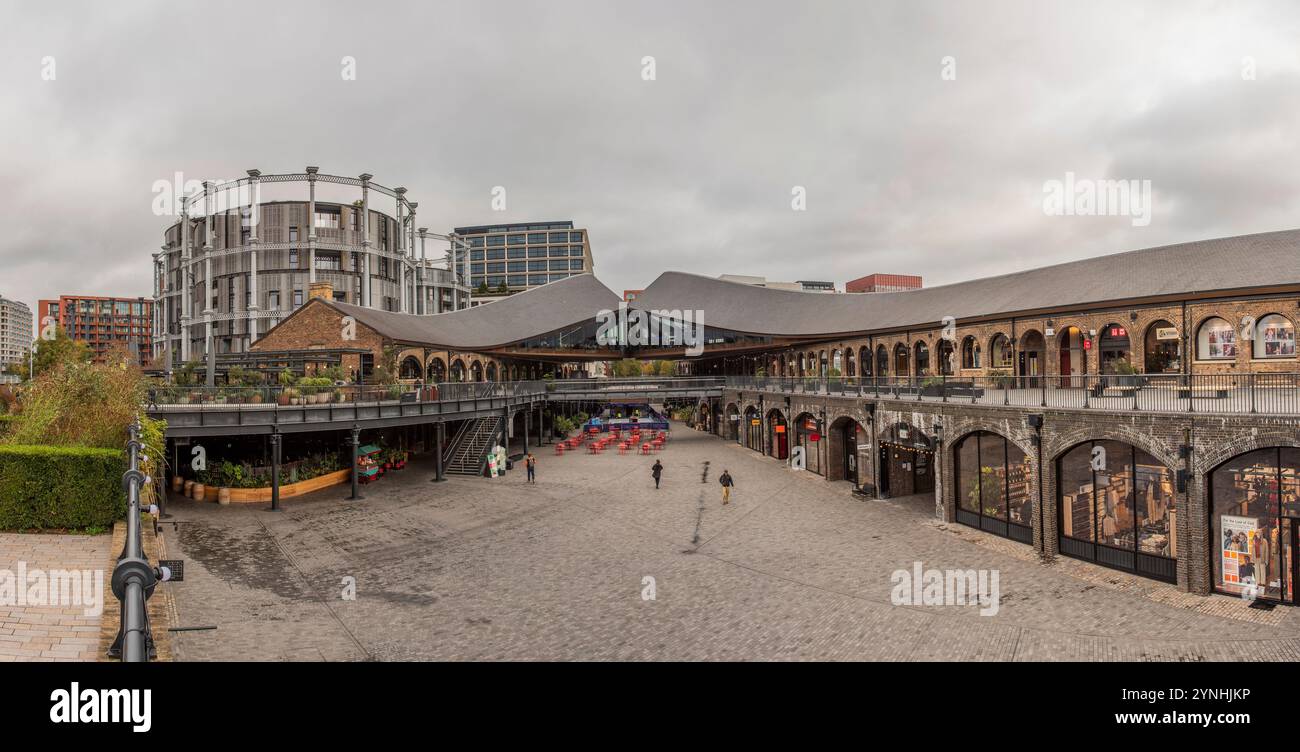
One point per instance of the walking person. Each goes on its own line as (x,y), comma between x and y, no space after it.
(530,462)
(727,483)
(656,471)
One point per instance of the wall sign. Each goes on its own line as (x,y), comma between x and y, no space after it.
(1166,332)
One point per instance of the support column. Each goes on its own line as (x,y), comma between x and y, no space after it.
(439,439)
(401,250)
(528,424)
(253,241)
(419,276)
(207,286)
(275,471)
(311,223)
(187,291)
(365,238)
(355,442)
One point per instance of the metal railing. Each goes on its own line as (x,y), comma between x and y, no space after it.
(1261,393)
(133,578)
(167,396)
(164,395)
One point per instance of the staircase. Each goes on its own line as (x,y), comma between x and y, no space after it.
(467,452)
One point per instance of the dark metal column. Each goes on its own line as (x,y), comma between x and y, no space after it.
(275,471)
(439,439)
(355,442)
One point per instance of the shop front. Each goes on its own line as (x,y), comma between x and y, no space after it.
(1116,507)
(778,439)
(906,462)
(1255,524)
(808,437)
(996,486)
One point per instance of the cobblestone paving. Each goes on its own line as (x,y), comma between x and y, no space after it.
(793,569)
(54,632)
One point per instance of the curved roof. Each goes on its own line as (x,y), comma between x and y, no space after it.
(1245,262)
(521,316)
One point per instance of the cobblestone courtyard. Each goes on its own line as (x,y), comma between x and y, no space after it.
(794,568)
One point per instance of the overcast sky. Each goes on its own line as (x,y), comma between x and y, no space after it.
(904,171)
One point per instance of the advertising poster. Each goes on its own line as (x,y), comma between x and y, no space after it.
(1238,541)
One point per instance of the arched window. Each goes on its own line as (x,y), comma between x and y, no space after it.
(900,360)
(945,357)
(1162,348)
(996,487)
(1216,340)
(437,371)
(476,371)
(410,368)
(1252,496)
(922,358)
(1116,507)
(882,361)
(864,357)
(1000,351)
(492,372)
(970,353)
(1274,337)
(1115,356)
(458,370)
(837,362)
(849,369)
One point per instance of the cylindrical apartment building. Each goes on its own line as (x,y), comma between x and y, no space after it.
(244,253)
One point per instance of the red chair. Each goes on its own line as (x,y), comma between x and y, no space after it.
(622,448)
(559,449)
(645,449)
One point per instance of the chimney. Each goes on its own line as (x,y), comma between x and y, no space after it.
(322,290)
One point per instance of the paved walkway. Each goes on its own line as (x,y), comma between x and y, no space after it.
(50,632)
(794,568)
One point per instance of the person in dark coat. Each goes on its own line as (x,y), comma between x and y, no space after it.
(727,483)
(656,471)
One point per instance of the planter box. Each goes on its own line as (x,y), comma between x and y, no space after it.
(263,495)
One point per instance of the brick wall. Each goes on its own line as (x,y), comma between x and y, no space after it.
(1213,440)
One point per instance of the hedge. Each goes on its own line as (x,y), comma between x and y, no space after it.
(44,487)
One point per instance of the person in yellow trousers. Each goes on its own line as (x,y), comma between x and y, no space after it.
(727,483)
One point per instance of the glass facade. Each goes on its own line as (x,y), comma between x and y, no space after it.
(996,486)
(1116,506)
(1254,513)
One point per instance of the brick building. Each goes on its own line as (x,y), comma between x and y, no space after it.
(103,323)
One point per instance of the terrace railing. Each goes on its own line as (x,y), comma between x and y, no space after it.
(1260,393)
(163,396)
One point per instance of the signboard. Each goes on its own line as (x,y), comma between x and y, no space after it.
(1166,332)
(778,429)
(1118,331)
(814,436)
(1050,332)
(753,421)
(1087,344)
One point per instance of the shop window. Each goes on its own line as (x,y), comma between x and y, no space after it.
(970,353)
(1254,511)
(1162,349)
(1116,507)
(996,486)
(1274,337)
(1000,349)
(1216,340)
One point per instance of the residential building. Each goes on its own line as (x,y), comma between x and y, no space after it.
(15,336)
(104,323)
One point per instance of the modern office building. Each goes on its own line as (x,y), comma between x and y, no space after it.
(15,335)
(244,253)
(884,283)
(507,258)
(764,282)
(104,323)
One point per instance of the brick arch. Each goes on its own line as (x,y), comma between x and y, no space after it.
(1060,443)
(960,429)
(1206,461)
(856,414)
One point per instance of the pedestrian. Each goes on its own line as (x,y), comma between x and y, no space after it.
(530,462)
(656,471)
(727,483)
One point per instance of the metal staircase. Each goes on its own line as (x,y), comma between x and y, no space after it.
(467,452)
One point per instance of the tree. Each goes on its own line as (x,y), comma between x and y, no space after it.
(625,368)
(52,354)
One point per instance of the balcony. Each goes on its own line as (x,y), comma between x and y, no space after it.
(1213,394)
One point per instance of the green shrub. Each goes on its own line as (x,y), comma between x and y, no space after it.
(53,487)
